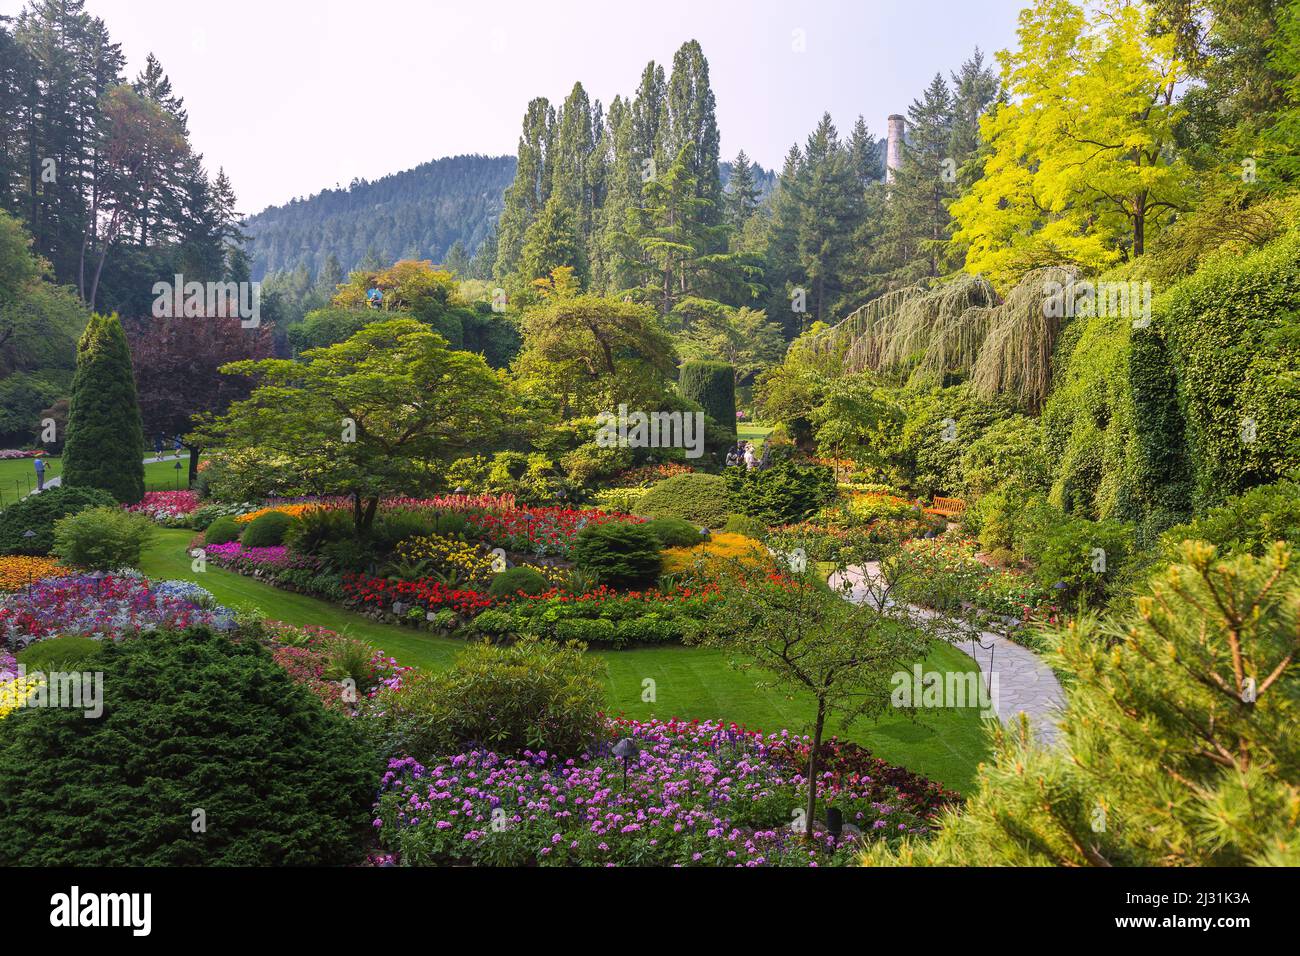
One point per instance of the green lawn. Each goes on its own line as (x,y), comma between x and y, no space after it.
(18,477)
(749,431)
(689,682)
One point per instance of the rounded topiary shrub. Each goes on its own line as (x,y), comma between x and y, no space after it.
(190,721)
(620,554)
(513,580)
(532,694)
(698,497)
(675,532)
(39,513)
(223,531)
(267,531)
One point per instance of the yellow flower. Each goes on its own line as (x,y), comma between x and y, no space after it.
(18,571)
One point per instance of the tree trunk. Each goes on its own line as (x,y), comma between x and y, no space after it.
(814,766)
(1139,223)
(195,451)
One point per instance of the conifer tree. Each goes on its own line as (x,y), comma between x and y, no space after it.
(105,442)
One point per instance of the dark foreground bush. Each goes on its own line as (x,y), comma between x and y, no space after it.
(192,723)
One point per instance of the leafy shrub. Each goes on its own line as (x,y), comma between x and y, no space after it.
(621,554)
(38,513)
(267,531)
(1245,524)
(391,528)
(196,721)
(674,532)
(1232,330)
(224,530)
(745,525)
(103,539)
(533,694)
(698,497)
(67,653)
(1009,451)
(318,527)
(495,624)
(1086,556)
(513,580)
(786,493)
(593,631)
(203,517)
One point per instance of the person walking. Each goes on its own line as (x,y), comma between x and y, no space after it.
(751,462)
(40,474)
(176,446)
(158,446)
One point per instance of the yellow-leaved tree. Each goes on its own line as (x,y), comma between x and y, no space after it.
(1080,166)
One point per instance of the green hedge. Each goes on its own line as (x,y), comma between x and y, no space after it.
(1234,334)
(713,386)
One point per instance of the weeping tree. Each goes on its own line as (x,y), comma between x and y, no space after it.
(1004,346)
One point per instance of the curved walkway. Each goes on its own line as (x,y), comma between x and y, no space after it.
(1022,682)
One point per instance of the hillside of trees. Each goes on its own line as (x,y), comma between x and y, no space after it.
(441,210)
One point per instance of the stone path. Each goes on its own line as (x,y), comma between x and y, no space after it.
(1025,684)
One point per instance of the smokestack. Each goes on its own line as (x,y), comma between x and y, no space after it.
(894,146)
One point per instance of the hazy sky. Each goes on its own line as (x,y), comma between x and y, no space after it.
(292,96)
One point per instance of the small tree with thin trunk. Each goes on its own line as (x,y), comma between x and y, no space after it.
(841,645)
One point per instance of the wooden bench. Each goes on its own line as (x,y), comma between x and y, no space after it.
(948,507)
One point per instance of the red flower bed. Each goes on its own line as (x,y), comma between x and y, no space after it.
(426,592)
(540,531)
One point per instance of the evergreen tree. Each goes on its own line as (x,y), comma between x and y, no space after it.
(690,119)
(917,220)
(742,194)
(531,188)
(105,443)
(553,241)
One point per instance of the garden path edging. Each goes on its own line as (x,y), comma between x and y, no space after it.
(1025,683)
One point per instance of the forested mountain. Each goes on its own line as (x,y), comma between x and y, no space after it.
(764,179)
(420,213)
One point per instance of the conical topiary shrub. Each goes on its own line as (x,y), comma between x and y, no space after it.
(105,441)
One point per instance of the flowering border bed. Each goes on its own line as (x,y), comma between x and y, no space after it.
(697,794)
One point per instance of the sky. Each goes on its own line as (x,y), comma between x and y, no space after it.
(294,96)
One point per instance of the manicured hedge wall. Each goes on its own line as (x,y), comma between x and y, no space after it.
(713,385)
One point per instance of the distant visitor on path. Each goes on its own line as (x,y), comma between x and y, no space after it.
(375,298)
(751,461)
(40,474)
(733,456)
(157,446)
(176,446)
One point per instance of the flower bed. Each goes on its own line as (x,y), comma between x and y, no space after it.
(14,690)
(172,509)
(425,596)
(539,531)
(697,794)
(116,606)
(306,655)
(257,561)
(8,454)
(18,571)
(944,574)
